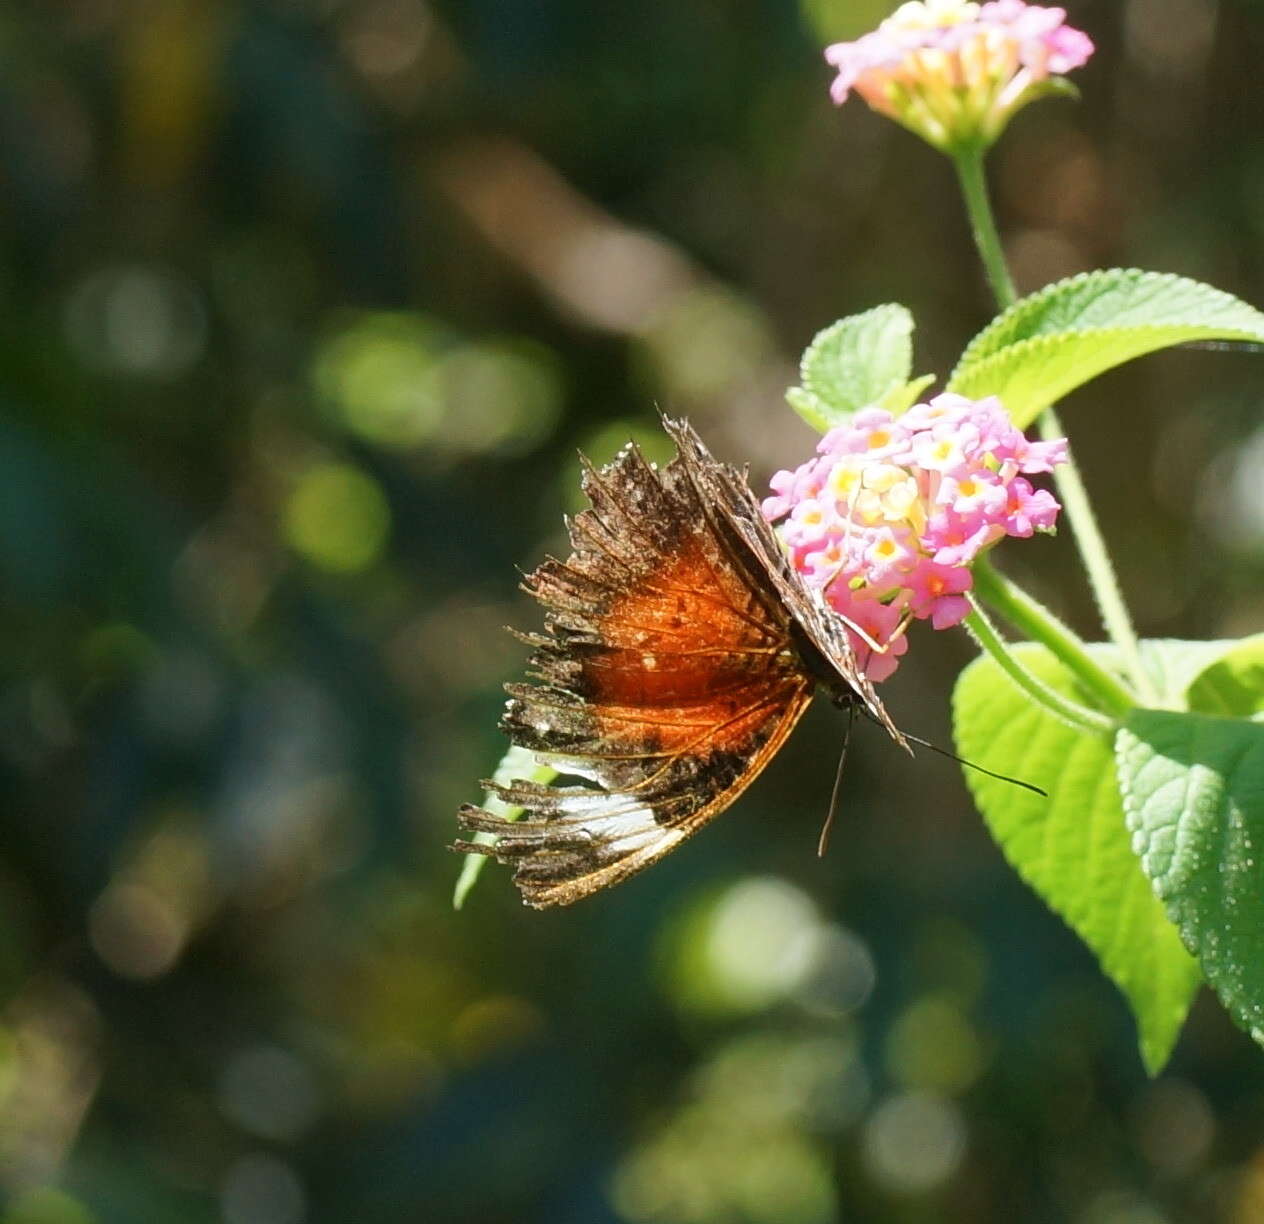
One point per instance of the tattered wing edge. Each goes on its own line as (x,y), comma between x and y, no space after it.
(525,838)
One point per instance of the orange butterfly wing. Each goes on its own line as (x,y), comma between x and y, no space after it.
(669,675)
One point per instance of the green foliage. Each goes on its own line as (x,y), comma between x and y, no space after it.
(1046,345)
(1191,783)
(1233,686)
(1073,847)
(1193,789)
(858,361)
(903,396)
(1189,786)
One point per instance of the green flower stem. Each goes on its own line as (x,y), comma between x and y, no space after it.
(1101,573)
(1078,716)
(1075,501)
(969,164)
(1039,624)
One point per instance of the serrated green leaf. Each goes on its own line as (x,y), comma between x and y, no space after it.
(1233,686)
(517,763)
(1073,848)
(1193,788)
(897,400)
(853,363)
(1048,344)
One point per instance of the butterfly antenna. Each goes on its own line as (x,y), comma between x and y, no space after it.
(823,844)
(1000,777)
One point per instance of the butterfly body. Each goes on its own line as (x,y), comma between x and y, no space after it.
(680,649)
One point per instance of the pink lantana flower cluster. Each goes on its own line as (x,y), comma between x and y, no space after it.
(888,517)
(956,72)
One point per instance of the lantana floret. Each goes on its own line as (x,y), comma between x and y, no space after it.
(889,515)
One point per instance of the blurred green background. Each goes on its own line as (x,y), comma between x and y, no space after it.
(306,306)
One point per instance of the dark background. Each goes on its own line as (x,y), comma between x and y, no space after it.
(305,306)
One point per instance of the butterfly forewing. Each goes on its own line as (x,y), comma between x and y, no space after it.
(666,679)
(727,498)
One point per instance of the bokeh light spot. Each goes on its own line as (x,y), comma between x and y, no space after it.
(404,381)
(138,321)
(1231,498)
(746,948)
(1173,1126)
(841,976)
(914,1142)
(380,375)
(501,396)
(785,1182)
(135,931)
(770,1079)
(705,342)
(269,1092)
(337,518)
(702,1170)
(933,1046)
(756,944)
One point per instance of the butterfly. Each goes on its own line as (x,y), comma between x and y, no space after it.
(680,649)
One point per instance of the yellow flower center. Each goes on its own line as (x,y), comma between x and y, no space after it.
(882,477)
(843,479)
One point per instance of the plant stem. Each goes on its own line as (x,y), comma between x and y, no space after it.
(1079,510)
(1101,573)
(969,164)
(1035,620)
(1081,717)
